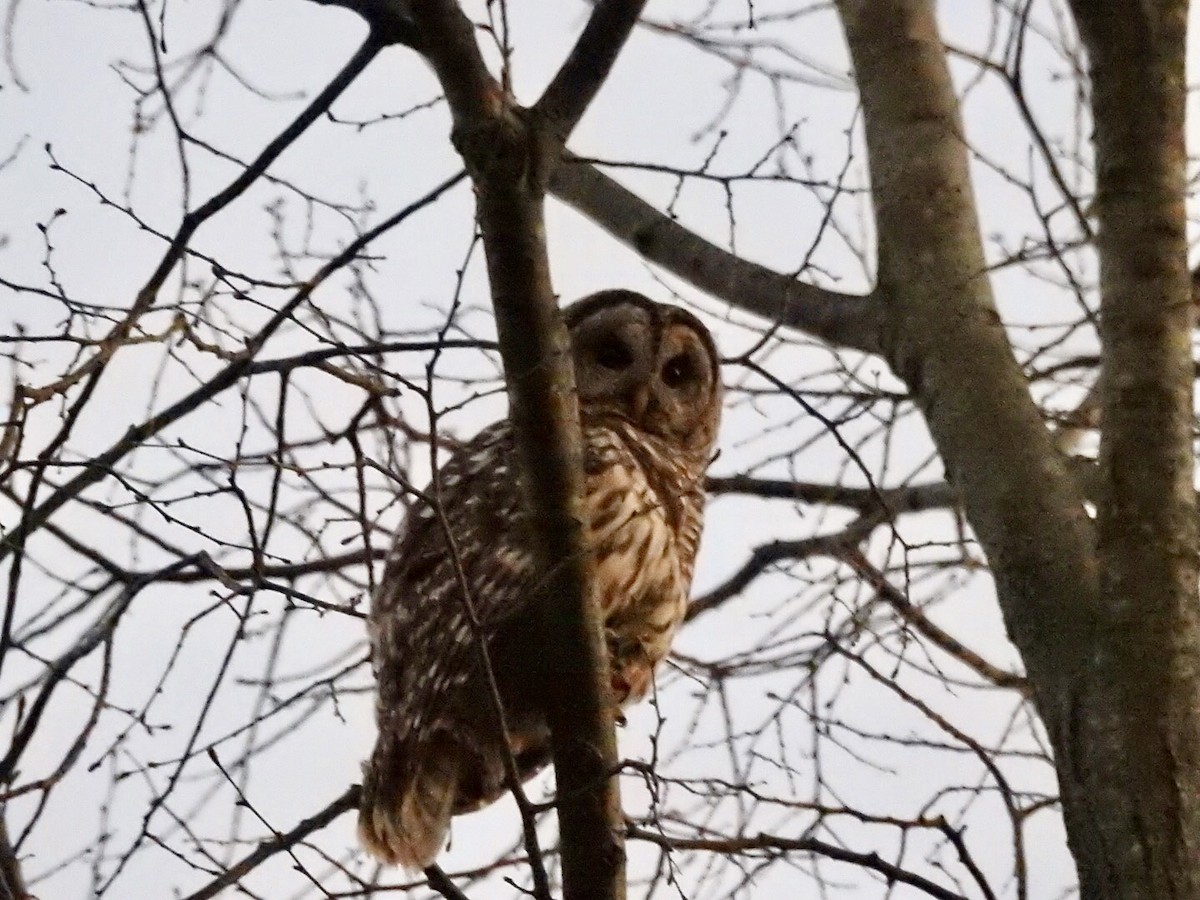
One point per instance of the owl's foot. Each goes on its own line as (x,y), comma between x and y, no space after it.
(620,687)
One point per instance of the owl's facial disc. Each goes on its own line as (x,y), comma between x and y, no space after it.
(650,363)
(683,387)
(658,374)
(611,350)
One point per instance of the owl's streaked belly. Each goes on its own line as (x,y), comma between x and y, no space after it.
(639,581)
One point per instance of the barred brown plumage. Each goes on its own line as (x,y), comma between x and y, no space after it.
(650,399)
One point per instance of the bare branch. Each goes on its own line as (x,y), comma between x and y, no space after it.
(914,498)
(767,555)
(280,843)
(508,156)
(100,632)
(101,466)
(841,319)
(194,219)
(440,882)
(921,623)
(575,85)
(769,842)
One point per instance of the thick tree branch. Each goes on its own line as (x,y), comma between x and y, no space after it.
(840,319)
(509,152)
(1131,771)
(447,41)
(474,95)
(571,91)
(943,336)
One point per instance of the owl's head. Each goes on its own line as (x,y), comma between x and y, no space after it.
(653,364)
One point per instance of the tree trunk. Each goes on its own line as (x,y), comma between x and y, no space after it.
(1105,619)
(1132,768)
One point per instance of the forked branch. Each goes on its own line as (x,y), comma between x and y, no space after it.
(844,320)
(509,151)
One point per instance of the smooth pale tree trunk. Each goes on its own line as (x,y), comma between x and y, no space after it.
(1105,617)
(1132,768)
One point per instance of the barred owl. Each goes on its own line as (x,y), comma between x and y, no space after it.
(650,400)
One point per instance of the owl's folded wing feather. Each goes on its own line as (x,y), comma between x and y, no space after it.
(431,706)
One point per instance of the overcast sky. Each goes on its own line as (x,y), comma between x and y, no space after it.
(72,96)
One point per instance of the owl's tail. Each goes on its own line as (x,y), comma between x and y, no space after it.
(404,817)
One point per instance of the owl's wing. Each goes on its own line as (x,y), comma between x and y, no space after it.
(422,645)
(432,705)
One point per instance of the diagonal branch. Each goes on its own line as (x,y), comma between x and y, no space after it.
(769,843)
(447,41)
(280,843)
(915,617)
(474,95)
(509,151)
(841,319)
(571,91)
(441,882)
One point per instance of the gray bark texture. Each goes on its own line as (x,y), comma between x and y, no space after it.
(509,152)
(1104,617)
(1132,766)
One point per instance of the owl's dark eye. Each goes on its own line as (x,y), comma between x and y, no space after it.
(678,371)
(613,353)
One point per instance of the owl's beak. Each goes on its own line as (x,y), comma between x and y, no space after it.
(640,402)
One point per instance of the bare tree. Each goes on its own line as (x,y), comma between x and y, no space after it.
(945,253)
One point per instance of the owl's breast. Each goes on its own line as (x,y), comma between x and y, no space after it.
(642,555)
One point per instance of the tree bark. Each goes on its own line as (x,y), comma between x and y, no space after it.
(844,320)
(1133,766)
(943,336)
(509,152)
(1105,619)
